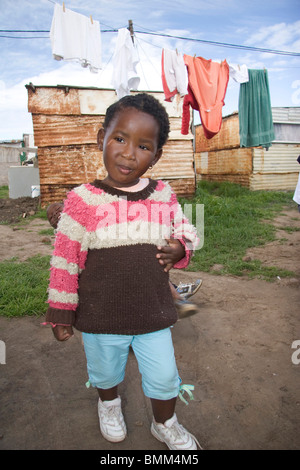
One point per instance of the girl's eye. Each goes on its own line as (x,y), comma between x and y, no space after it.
(119,139)
(143,147)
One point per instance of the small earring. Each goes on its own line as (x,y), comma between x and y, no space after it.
(152,172)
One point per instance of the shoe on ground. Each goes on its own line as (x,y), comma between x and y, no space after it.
(189,289)
(174,435)
(185,309)
(112,424)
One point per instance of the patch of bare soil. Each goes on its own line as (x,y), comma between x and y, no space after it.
(239,352)
(20,236)
(12,210)
(284,251)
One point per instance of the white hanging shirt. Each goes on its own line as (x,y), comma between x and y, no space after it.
(75,38)
(175,72)
(125,60)
(239,73)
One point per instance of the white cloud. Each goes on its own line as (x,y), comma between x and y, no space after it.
(280,36)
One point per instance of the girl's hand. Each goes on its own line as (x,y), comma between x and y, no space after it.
(62,333)
(170,254)
(53,213)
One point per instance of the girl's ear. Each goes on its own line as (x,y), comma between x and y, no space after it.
(100,137)
(157,156)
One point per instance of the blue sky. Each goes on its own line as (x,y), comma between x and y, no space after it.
(268,24)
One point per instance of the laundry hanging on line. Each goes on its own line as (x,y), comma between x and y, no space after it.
(174,74)
(208,82)
(239,73)
(176,81)
(75,37)
(255,112)
(125,60)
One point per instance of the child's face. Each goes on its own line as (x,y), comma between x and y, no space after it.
(130,146)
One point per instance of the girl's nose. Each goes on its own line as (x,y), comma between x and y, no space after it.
(128,152)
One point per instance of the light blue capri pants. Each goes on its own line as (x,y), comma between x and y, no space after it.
(107,356)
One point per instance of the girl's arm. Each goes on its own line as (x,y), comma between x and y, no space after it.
(67,261)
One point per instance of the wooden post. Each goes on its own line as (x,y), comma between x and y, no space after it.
(130,27)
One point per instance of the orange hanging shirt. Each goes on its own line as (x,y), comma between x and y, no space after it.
(208,82)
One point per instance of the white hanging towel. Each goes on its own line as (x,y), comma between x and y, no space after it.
(125,60)
(239,73)
(175,75)
(74,37)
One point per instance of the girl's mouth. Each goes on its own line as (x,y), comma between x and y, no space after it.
(125,170)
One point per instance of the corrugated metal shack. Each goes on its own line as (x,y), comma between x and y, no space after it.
(222,159)
(66,121)
(9,156)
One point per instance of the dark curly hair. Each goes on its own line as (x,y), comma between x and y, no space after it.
(147,104)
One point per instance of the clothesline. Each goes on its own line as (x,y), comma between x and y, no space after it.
(152,33)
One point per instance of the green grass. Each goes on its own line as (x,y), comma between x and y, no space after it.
(47,231)
(236,219)
(4,192)
(40,214)
(23,286)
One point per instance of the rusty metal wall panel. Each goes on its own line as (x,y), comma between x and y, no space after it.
(54,193)
(291,114)
(54,130)
(70,165)
(53,100)
(176,161)
(280,158)
(96,101)
(275,169)
(274,182)
(227,137)
(175,130)
(230,161)
(183,187)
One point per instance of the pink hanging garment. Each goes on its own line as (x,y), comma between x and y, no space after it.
(208,82)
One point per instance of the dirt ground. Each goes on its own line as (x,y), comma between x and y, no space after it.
(237,351)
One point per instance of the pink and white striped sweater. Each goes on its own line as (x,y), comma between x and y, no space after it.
(105,277)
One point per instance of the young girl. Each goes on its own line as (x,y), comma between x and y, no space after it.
(116,240)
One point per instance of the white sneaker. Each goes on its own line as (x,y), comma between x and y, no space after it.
(112,424)
(174,435)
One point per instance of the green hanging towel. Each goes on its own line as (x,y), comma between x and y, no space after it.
(255,113)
